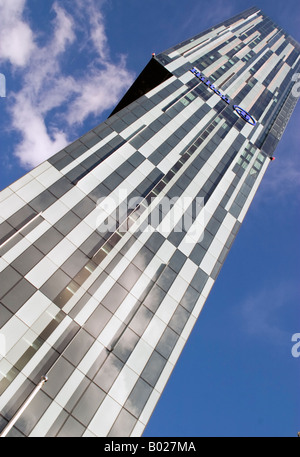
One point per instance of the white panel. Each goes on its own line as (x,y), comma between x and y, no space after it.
(11,205)
(258,129)
(208,263)
(163,379)
(229,222)
(188,270)
(90,357)
(147,149)
(97,217)
(72,197)
(166,251)
(33,308)
(123,385)
(246,130)
(125,307)
(138,430)
(223,233)
(3,264)
(46,318)
(46,421)
(166,309)
(140,286)
(61,252)
(109,331)
(177,350)
(37,358)
(119,268)
(278,79)
(210,282)
(38,231)
(210,45)
(188,327)
(216,247)
(88,153)
(105,417)
(253,191)
(179,287)
(16,250)
(154,331)
(131,129)
(55,212)
(30,190)
(150,405)
(86,311)
(59,330)
(41,272)
(88,183)
(88,434)
(69,387)
(11,390)
(40,169)
(12,332)
(187,245)
(49,177)
(159,87)
(198,306)
(21,182)
(5,193)
(80,233)
(101,172)
(174,54)
(23,344)
(108,283)
(140,356)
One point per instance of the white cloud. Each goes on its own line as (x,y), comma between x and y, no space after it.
(105,81)
(52,100)
(37,144)
(64,30)
(97,29)
(100,91)
(16,37)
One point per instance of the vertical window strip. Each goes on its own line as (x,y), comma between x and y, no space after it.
(16,369)
(25,226)
(179,97)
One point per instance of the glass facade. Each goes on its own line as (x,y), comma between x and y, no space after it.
(110,248)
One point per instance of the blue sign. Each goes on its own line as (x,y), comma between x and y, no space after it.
(209,84)
(240,111)
(244,115)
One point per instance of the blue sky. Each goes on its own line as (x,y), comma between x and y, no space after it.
(66,64)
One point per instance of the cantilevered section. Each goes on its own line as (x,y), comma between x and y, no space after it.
(152,76)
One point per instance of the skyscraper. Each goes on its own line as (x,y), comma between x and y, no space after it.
(109,249)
